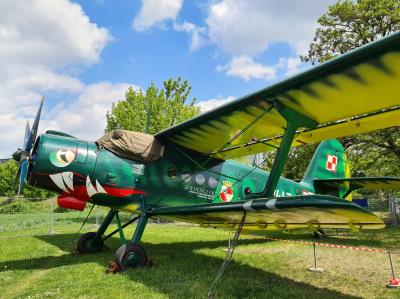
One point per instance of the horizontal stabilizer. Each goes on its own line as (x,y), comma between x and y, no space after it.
(373,183)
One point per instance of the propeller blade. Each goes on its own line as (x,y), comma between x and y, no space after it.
(22,177)
(22,156)
(35,126)
(27,134)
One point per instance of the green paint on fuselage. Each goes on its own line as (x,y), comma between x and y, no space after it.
(180,178)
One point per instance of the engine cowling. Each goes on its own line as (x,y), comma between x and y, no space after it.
(62,164)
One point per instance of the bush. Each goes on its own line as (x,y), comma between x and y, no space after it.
(8,173)
(22,205)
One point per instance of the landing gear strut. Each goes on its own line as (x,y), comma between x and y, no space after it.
(129,255)
(93,241)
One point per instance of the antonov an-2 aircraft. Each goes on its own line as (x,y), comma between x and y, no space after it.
(186,173)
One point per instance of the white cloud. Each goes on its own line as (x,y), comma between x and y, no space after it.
(19,77)
(246,68)
(243,27)
(154,12)
(49,33)
(196,33)
(40,42)
(85,117)
(245,30)
(291,65)
(214,103)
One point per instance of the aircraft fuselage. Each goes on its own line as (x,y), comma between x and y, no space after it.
(84,172)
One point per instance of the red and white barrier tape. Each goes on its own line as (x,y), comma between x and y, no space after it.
(329,245)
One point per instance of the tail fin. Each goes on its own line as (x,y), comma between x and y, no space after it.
(329,161)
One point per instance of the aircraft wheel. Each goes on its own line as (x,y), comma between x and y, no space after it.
(86,245)
(319,234)
(131,256)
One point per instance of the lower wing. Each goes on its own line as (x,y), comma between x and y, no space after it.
(311,211)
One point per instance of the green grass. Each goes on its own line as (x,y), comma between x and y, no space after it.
(34,264)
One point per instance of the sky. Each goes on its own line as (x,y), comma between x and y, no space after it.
(82,56)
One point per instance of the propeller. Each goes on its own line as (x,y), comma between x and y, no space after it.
(22,155)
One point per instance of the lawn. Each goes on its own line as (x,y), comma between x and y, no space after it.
(36,264)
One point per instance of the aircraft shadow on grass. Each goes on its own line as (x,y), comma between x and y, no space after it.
(178,260)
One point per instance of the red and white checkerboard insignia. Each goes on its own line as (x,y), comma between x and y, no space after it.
(331,163)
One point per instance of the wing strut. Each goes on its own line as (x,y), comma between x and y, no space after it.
(294,120)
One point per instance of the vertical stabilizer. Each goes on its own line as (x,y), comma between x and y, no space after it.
(329,161)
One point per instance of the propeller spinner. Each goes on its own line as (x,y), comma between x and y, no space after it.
(22,156)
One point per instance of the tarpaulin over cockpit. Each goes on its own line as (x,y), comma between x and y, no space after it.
(132,145)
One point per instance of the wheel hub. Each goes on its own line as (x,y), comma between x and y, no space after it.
(132,259)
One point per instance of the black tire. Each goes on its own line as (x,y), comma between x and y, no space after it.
(319,234)
(131,256)
(86,245)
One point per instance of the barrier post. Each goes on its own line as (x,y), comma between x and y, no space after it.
(394,282)
(315,268)
(52,232)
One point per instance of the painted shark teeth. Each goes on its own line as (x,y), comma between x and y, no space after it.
(68,178)
(89,187)
(91,190)
(65,181)
(100,188)
(58,180)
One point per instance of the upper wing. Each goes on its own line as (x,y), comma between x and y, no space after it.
(312,211)
(358,183)
(354,93)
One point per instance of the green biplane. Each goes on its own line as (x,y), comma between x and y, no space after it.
(185,172)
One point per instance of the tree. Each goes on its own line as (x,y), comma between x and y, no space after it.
(376,153)
(8,172)
(346,26)
(297,162)
(153,110)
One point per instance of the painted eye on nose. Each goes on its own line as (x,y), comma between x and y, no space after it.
(62,157)
(65,156)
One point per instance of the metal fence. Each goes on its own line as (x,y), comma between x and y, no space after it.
(48,218)
(385,206)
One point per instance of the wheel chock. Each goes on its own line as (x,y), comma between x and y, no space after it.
(113,268)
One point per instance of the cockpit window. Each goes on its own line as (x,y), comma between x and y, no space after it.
(171,172)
